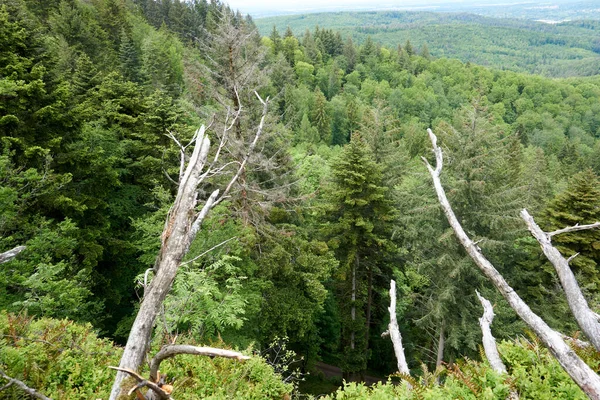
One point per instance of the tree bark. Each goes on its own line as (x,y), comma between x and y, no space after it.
(586,318)
(179,232)
(353,300)
(489,342)
(579,371)
(10,254)
(394,332)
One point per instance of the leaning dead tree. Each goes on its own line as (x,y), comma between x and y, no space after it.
(394,332)
(577,369)
(182,224)
(588,320)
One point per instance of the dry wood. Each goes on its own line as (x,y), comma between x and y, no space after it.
(21,385)
(10,254)
(154,387)
(579,371)
(182,224)
(173,350)
(586,318)
(394,332)
(489,342)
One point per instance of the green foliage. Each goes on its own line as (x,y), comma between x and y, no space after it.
(65,360)
(62,359)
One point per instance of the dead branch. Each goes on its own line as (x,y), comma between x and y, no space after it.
(586,318)
(144,383)
(574,228)
(10,254)
(173,350)
(21,385)
(394,332)
(579,371)
(489,342)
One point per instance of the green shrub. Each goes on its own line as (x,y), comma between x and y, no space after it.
(65,360)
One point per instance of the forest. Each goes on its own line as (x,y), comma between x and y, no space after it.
(311,194)
(556,50)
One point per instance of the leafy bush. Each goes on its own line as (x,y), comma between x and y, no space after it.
(533,374)
(65,360)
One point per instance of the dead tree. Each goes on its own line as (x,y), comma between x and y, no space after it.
(588,320)
(489,342)
(579,371)
(182,224)
(394,332)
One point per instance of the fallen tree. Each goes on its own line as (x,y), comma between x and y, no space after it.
(577,369)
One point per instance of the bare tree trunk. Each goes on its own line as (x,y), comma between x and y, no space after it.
(441,345)
(586,318)
(181,227)
(489,342)
(394,332)
(10,254)
(579,371)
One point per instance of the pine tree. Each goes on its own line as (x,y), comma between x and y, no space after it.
(358,211)
(320,119)
(578,204)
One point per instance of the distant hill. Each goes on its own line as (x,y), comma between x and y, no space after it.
(555,50)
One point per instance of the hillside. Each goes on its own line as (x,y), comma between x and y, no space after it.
(554,50)
(278,227)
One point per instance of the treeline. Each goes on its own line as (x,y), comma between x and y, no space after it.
(556,50)
(336,203)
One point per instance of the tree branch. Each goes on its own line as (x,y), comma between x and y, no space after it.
(175,349)
(22,386)
(489,342)
(143,383)
(575,228)
(586,318)
(10,254)
(579,371)
(394,332)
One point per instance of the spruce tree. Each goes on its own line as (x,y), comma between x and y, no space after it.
(578,204)
(358,211)
(320,119)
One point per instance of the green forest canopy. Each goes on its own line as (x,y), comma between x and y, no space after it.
(89,90)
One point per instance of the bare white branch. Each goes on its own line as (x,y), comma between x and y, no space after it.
(489,342)
(575,228)
(394,332)
(175,349)
(21,385)
(579,371)
(10,254)
(586,318)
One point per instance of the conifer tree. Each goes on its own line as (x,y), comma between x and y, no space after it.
(578,204)
(320,119)
(358,211)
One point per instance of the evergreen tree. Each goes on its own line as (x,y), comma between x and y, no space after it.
(276,39)
(578,204)
(358,211)
(320,119)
